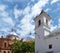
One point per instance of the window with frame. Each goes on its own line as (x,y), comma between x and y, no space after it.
(4,51)
(50,46)
(39,22)
(5,44)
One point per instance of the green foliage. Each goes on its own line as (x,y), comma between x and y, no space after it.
(16,48)
(23,47)
(31,47)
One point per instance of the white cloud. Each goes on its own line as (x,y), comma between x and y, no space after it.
(17,12)
(3,13)
(5,29)
(54,1)
(32,0)
(48,9)
(55,26)
(2,7)
(59,22)
(38,6)
(15,0)
(56,10)
(5,18)
(27,26)
(29,13)
(26,10)
(52,26)
(9,21)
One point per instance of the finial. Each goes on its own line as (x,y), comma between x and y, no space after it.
(12,29)
(42,11)
(1,36)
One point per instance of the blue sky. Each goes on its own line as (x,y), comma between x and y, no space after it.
(19,14)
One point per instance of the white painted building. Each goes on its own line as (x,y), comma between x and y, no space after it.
(45,40)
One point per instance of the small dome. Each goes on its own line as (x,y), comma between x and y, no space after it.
(13,33)
(12,37)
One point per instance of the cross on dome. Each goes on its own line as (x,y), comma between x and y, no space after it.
(13,32)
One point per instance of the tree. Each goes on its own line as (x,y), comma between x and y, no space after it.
(23,47)
(32,47)
(16,48)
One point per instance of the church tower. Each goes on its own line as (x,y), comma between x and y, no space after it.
(42,24)
(42,29)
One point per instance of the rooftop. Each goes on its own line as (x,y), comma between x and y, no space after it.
(54,33)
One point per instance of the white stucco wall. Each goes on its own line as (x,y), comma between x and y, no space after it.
(42,45)
(55,41)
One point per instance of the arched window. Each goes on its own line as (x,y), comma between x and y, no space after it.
(46,21)
(39,22)
(4,51)
(8,52)
(5,44)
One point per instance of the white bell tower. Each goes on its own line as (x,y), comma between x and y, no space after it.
(42,24)
(42,29)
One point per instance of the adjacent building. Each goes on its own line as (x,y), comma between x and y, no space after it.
(6,43)
(45,40)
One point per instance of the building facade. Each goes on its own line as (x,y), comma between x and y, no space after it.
(45,40)
(6,43)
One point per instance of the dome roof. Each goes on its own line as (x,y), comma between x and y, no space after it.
(13,33)
(12,37)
